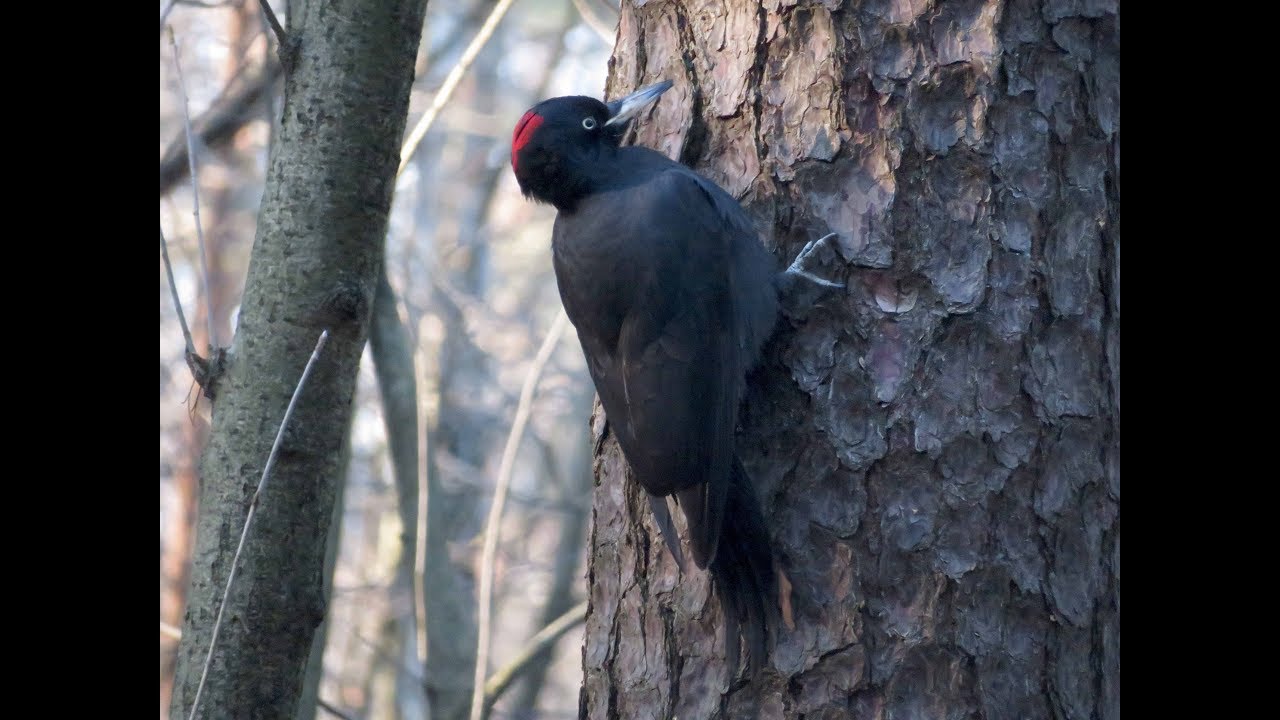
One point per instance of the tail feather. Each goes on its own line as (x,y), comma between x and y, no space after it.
(743,573)
(704,508)
(658,506)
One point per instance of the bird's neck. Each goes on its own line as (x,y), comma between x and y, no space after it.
(564,181)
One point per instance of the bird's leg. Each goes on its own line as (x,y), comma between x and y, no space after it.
(797,266)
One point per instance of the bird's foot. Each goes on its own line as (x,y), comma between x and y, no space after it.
(797,266)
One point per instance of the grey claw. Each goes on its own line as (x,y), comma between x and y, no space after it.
(797,267)
(815,279)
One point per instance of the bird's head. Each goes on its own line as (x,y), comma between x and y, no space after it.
(557,141)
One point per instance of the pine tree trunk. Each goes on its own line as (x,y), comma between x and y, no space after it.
(315,264)
(937,446)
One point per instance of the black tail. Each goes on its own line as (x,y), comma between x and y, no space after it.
(743,574)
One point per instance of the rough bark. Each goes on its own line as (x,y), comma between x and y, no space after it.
(937,446)
(315,264)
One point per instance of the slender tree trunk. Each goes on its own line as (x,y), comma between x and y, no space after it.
(392,353)
(464,431)
(459,440)
(937,446)
(315,264)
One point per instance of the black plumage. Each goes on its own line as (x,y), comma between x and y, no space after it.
(673,296)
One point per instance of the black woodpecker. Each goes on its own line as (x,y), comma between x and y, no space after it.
(673,296)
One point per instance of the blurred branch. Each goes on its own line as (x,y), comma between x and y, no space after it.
(505,471)
(333,710)
(195,192)
(275,27)
(420,531)
(393,364)
(451,82)
(164,14)
(594,17)
(381,652)
(219,123)
(170,631)
(177,304)
(397,384)
(253,505)
(546,637)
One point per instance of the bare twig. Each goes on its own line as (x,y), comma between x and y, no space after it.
(253,505)
(386,656)
(170,631)
(546,637)
(499,499)
(451,83)
(220,122)
(195,190)
(420,531)
(332,710)
(275,24)
(173,288)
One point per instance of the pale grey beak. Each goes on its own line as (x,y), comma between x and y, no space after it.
(623,109)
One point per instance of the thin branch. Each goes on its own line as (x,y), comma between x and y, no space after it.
(275,24)
(505,470)
(546,637)
(332,710)
(420,531)
(173,288)
(195,190)
(393,360)
(170,631)
(253,505)
(451,83)
(387,657)
(220,122)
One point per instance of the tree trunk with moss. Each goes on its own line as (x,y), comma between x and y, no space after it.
(938,445)
(316,260)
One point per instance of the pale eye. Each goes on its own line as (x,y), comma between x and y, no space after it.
(589,123)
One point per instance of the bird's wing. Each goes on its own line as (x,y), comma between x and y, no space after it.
(680,356)
(649,274)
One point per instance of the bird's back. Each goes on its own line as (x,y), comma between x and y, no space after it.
(672,296)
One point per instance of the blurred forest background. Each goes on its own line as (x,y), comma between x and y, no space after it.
(470,263)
